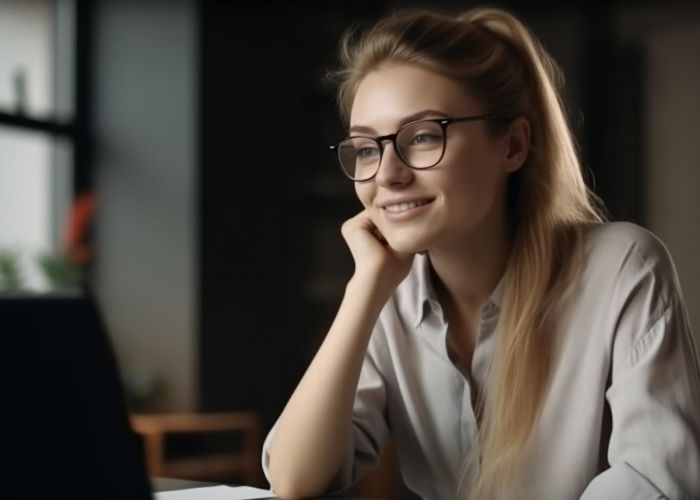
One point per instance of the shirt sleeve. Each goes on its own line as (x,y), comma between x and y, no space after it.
(654,398)
(369,430)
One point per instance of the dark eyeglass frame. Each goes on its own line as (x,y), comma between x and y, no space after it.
(443,122)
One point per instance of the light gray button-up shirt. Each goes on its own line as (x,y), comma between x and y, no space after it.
(624,350)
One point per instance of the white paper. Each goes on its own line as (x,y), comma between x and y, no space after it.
(215,493)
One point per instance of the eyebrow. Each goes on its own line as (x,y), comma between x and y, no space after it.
(406,119)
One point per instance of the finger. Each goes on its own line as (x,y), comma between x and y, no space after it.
(368,224)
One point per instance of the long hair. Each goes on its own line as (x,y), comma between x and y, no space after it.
(498,59)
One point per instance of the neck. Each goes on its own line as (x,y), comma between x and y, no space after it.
(469,268)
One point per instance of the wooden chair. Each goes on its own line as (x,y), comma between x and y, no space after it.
(243,463)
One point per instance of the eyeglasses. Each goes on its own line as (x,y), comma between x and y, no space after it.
(420,145)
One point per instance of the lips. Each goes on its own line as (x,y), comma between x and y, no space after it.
(404,206)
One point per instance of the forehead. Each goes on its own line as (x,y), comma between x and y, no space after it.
(388,94)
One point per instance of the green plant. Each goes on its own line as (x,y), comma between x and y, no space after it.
(10,273)
(59,271)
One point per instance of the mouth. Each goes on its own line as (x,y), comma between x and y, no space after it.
(398,208)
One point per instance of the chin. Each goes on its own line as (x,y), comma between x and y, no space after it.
(407,245)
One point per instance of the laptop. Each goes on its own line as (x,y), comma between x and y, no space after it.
(64,426)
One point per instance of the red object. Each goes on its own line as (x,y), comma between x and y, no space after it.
(78,243)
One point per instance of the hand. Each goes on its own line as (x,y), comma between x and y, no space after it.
(373,256)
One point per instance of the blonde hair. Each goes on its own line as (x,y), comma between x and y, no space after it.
(506,68)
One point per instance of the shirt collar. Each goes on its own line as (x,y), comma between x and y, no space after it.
(425,299)
(424,292)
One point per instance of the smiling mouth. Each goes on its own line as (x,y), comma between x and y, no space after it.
(404,207)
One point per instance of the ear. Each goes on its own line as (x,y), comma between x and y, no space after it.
(517,143)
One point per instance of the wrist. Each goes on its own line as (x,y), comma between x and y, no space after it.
(371,288)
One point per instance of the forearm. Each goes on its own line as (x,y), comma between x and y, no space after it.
(314,430)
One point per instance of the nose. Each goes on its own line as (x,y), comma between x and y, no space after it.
(392,170)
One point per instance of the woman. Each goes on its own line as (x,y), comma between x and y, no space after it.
(513,343)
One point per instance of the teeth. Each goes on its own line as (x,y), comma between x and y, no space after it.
(402,207)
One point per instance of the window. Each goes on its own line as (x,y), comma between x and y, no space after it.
(43,143)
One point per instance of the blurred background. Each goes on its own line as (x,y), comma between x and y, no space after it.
(172,156)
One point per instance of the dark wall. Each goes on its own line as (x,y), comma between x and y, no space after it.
(266,119)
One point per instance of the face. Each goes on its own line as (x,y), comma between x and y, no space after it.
(451,203)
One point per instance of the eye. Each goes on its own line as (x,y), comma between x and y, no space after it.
(367,152)
(423,138)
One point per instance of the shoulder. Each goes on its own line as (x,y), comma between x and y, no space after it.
(626,236)
(629,268)
(625,284)
(628,249)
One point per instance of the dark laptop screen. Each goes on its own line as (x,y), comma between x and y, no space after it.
(65,430)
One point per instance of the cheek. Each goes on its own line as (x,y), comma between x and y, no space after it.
(473,186)
(363,192)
